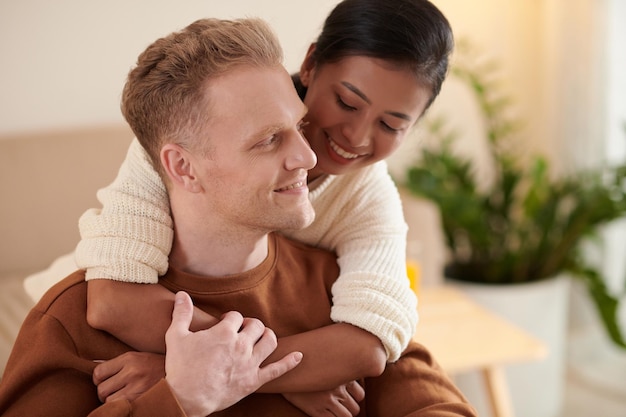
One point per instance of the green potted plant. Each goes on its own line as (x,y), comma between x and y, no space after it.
(527,225)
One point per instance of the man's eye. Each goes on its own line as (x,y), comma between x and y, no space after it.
(343,105)
(269,141)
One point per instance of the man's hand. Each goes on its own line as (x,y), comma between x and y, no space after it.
(213,369)
(340,402)
(128,376)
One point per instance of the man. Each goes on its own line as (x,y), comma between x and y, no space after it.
(53,359)
(232,181)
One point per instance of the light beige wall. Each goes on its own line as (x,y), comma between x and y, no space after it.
(63,63)
(507,32)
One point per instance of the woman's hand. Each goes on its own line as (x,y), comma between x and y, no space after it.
(340,402)
(128,375)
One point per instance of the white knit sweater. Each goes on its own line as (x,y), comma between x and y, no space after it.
(358,215)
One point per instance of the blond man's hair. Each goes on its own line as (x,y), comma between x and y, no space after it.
(164,98)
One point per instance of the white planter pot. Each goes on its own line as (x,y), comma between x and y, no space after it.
(541,309)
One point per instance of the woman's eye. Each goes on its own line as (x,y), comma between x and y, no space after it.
(343,104)
(390,128)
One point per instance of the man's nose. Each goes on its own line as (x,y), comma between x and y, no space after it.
(301,156)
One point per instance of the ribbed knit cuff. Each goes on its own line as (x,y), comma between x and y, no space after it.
(121,259)
(138,254)
(379,304)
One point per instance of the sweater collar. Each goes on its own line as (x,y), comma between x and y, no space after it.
(177,280)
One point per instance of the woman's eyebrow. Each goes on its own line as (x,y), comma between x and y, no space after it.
(361,94)
(399,115)
(356,91)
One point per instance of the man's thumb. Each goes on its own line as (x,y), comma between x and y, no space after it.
(182,314)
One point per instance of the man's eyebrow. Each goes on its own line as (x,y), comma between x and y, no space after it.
(272,129)
(361,94)
(266,131)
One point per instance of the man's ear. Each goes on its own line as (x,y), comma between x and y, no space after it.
(307,67)
(179,167)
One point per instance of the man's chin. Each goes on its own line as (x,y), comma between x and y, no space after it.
(308,221)
(301,223)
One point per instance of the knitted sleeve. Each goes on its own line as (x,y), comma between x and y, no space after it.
(359,215)
(130,238)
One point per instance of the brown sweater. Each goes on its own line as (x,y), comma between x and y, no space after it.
(49,372)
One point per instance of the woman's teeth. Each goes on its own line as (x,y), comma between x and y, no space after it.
(341,152)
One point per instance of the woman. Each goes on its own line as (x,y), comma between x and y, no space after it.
(371,74)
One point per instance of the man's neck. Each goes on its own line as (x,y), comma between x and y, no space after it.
(218,254)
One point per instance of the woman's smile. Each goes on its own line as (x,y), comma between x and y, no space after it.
(340,151)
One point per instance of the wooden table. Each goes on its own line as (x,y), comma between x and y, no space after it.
(463,336)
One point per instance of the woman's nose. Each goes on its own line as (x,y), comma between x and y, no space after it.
(358,134)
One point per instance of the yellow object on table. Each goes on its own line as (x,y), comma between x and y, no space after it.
(464,336)
(413,273)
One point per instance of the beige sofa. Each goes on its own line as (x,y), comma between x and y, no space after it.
(48,179)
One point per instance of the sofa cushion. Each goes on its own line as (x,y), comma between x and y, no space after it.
(47,180)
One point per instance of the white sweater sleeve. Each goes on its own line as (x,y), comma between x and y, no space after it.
(130,238)
(359,215)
